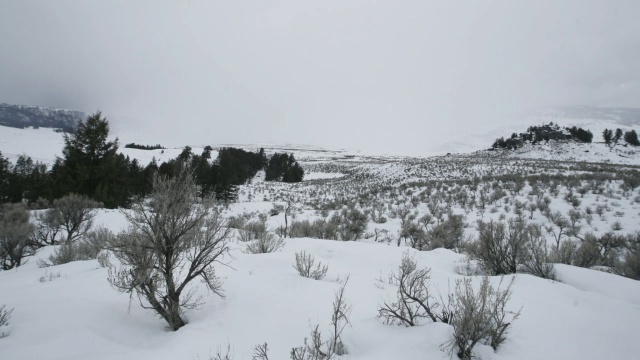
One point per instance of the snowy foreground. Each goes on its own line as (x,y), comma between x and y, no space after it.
(71,312)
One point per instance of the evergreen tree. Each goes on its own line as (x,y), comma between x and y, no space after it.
(90,165)
(607,136)
(4,178)
(617,136)
(631,137)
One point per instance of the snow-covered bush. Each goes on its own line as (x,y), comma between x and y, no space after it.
(479,317)
(414,298)
(266,243)
(537,260)
(307,266)
(86,248)
(48,227)
(506,248)
(15,235)
(449,234)
(353,224)
(499,246)
(172,240)
(76,214)
(252,230)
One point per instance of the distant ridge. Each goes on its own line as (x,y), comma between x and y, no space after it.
(22,116)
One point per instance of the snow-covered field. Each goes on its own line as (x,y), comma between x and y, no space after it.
(71,312)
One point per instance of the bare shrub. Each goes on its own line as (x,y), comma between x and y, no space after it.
(566,254)
(252,230)
(48,226)
(479,317)
(318,229)
(172,240)
(353,224)
(307,267)
(5,316)
(76,214)
(260,352)
(319,349)
(15,235)
(414,299)
(449,234)
(537,261)
(86,248)
(630,266)
(266,243)
(499,246)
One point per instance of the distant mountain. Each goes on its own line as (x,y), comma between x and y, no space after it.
(21,116)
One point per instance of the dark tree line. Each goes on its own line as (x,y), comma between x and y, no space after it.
(143,147)
(546,132)
(612,138)
(283,167)
(91,166)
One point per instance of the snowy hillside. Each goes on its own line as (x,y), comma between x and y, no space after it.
(74,314)
(592,118)
(359,214)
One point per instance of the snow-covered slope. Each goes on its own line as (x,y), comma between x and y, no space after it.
(595,119)
(70,311)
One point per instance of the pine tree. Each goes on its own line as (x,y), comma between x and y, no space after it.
(90,165)
(617,136)
(607,136)
(631,137)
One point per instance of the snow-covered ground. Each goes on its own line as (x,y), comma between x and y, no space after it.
(71,312)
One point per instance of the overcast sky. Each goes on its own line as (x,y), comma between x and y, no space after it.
(394,76)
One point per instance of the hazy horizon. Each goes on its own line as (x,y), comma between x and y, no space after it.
(398,77)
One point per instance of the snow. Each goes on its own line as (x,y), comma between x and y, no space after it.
(320,176)
(41,144)
(78,315)
(71,312)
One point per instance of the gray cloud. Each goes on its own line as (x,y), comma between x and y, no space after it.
(398,76)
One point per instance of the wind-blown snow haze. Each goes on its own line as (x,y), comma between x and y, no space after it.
(385,76)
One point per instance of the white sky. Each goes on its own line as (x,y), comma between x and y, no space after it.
(396,76)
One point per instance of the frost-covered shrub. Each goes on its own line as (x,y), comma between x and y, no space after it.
(172,240)
(448,234)
(588,254)
(353,224)
(631,264)
(266,243)
(414,300)
(76,213)
(479,317)
(537,260)
(236,222)
(252,230)
(415,234)
(499,246)
(87,248)
(48,227)
(307,267)
(506,248)
(15,235)
(566,253)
